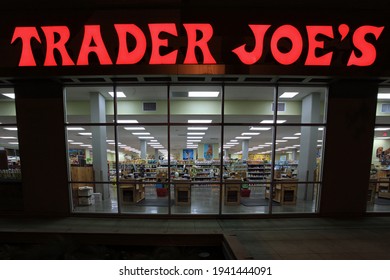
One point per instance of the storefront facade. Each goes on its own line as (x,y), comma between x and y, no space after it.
(103,101)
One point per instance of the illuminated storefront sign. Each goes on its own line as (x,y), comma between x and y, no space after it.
(306,43)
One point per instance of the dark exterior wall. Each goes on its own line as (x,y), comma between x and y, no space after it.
(40,119)
(349,138)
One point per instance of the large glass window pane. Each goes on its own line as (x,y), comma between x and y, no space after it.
(378,197)
(247,169)
(298,157)
(11,195)
(143,166)
(89,104)
(301,105)
(195,168)
(142,104)
(92,168)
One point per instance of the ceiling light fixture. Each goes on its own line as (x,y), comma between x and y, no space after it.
(259,128)
(197,128)
(75,128)
(271,121)
(119,94)
(199,121)
(383,95)
(288,94)
(9,95)
(134,128)
(250,133)
(203,93)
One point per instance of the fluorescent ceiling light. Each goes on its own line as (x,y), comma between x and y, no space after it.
(146,137)
(250,133)
(262,146)
(75,128)
(119,94)
(383,95)
(194,137)
(320,128)
(196,133)
(259,128)
(194,140)
(319,145)
(234,140)
(10,128)
(192,147)
(382,129)
(203,93)
(297,145)
(154,140)
(76,143)
(243,137)
(134,128)
(13,143)
(197,128)
(108,141)
(290,137)
(271,121)
(153,143)
(141,133)
(85,133)
(319,141)
(232,143)
(8,137)
(288,94)
(127,121)
(199,121)
(298,134)
(280,141)
(122,145)
(382,138)
(10,95)
(226,148)
(86,145)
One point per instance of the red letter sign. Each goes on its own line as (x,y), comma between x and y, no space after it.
(254,56)
(26,33)
(312,32)
(290,32)
(64,34)
(124,56)
(368,50)
(92,32)
(207,31)
(155,30)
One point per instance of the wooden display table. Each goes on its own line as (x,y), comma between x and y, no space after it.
(383,187)
(232,192)
(131,191)
(182,192)
(285,191)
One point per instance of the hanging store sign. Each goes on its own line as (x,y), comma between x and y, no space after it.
(314,46)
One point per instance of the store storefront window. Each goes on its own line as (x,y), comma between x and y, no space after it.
(195,149)
(91,145)
(378,198)
(11,197)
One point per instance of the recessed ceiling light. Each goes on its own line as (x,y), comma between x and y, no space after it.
(75,128)
(250,133)
(233,143)
(203,93)
(10,95)
(297,134)
(280,141)
(196,133)
(194,140)
(141,133)
(382,129)
(296,145)
(119,94)
(234,140)
(8,137)
(320,128)
(13,143)
(108,141)
(85,133)
(194,137)
(319,141)
(146,137)
(199,121)
(154,140)
(10,128)
(290,137)
(243,137)
(127,121)
(86,145)
(271,121)
(197,128)
(134,128)
(76,143)
(383,95)
(259,128)
(288,94)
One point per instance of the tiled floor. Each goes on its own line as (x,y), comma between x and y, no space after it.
(283,238)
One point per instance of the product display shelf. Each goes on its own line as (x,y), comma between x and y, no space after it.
(284,191)
(258,172)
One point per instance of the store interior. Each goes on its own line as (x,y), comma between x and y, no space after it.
(197,149)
